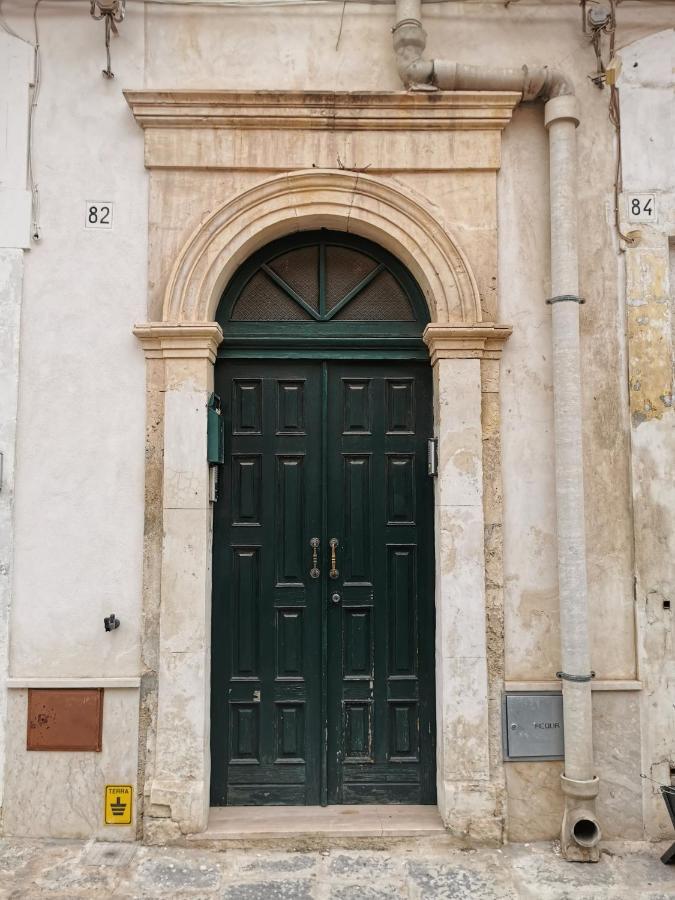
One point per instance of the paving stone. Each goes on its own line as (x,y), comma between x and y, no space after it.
(647,871)
(78,881)
(100,853)
(77,870)
(269,890)
(552,871)
(167,876)
(442,882)
(14,856)
(275,862)
(358,865)
(366,892)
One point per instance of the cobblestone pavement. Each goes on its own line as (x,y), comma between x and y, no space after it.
(72,869)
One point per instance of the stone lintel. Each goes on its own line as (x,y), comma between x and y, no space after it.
(280,131)
(457,341)
(185,340)
(327,110)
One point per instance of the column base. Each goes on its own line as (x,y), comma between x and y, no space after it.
(177,807)
(472,810)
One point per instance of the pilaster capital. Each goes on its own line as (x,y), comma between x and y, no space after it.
(463,341)
(179,340)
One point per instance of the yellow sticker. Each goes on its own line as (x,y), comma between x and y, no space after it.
(118,804)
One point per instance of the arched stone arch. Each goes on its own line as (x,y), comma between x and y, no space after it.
(391,216)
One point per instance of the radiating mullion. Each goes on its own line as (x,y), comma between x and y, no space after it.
(354,291)
(289,290)
(322,279)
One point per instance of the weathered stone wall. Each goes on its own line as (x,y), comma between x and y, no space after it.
(79,503)
(648,137)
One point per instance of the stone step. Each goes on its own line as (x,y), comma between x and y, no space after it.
(317,827)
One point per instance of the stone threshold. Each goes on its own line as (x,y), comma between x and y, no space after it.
(320,827)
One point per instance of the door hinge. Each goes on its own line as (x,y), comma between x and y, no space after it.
(432,457)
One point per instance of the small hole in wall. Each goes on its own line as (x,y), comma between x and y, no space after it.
(635,65)
(666,604)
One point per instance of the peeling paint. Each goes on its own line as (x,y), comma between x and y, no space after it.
(649,325)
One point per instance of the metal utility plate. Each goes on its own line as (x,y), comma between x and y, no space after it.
(65,719)
(532,726)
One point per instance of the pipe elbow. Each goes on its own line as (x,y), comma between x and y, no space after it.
(559,85)
(416,73)
(542,83)
(410,39)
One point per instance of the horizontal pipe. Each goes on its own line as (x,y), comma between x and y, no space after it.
(418,73)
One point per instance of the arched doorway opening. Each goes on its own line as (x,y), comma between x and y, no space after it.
(323,543)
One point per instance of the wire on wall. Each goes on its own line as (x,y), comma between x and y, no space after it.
(113,12)
(37,81)
(35,231)
(631,239)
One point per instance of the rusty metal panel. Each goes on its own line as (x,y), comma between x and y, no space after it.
(65,719)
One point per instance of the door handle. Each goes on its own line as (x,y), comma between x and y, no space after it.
(333,544)
(335,598)
(315,543)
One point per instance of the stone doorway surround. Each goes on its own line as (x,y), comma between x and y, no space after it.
(229,172)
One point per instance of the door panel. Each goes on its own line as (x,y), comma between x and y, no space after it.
(323,688)
(380,646)
(266,717)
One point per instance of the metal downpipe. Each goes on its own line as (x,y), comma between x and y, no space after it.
(580,831)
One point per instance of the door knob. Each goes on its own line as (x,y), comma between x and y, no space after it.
(333,544)
(335,598)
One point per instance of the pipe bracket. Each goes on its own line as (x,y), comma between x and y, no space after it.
(580,678)
(580,789)
(562,298)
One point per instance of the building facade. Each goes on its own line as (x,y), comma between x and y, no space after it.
(350,249)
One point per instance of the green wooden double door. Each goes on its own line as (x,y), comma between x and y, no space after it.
(323,610)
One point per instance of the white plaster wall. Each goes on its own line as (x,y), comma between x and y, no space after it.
(79,499)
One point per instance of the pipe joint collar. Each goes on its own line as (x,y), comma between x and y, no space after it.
(413,23)
(580,790)
(409,35)
(563,107)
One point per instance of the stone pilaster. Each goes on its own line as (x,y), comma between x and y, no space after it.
(178,794)
(468,797)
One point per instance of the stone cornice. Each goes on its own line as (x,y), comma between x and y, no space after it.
(449,341)
(189,340)
(323,110)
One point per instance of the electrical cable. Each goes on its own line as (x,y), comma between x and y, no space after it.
(37,80)
(35,93)
(615,119)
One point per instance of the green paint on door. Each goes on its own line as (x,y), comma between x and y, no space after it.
(323,682)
